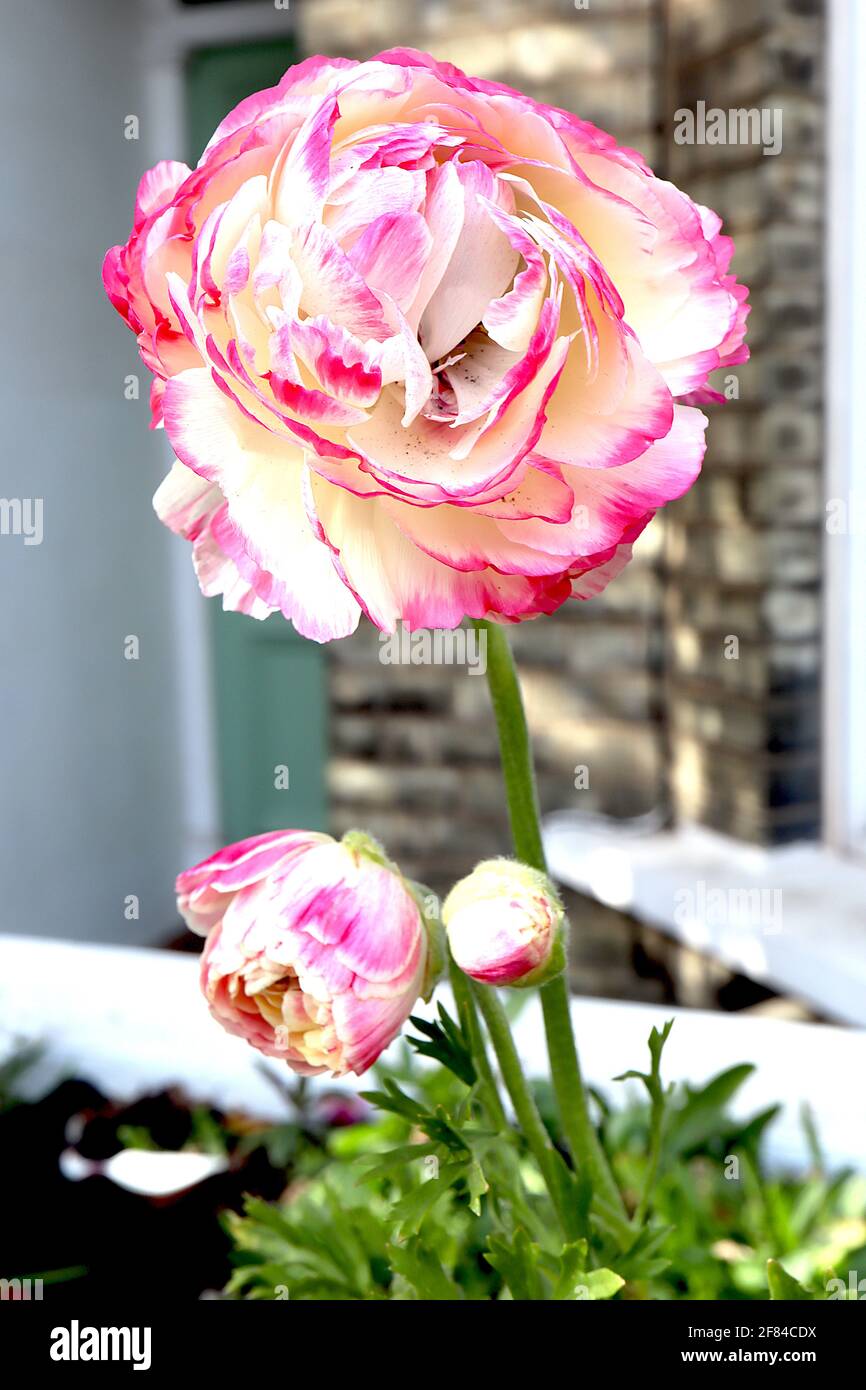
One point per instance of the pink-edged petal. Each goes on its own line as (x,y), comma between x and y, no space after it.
(465,540)
(266,525)
(605,420)
(592,579)
(157,188)
(395,582)
(202,890)
(542,492)
(345,368)
(190,506)
(608,501)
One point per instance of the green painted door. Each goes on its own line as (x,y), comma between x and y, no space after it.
(270,683)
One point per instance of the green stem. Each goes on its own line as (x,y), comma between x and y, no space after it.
(522,797)
(655,1149)
(521,1097)
(515,751)
(488,1089)
(583,1142)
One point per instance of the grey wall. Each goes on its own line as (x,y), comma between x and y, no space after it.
(91,789)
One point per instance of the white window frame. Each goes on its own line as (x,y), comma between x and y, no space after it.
(844,692)
(170,32)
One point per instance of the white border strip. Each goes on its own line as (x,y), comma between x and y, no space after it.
(844,759)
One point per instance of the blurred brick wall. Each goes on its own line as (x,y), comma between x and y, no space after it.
(744,547)
(636,681)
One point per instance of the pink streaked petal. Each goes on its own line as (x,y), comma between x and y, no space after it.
(332,285)
(391,255)
(369,195)
(344,366)
(204,891)
(366,1026)
(221,577)
(301,177)
(275,268)
(341,903)
(246,861)
(308,403)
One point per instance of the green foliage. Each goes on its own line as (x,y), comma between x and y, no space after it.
(432,1200)
(725,1216)
(530,1273)
(445,1042)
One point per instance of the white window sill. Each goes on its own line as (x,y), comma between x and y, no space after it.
(132,1021)
(792,918)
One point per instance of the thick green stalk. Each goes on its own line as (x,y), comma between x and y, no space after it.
(521,1097)
(519,776)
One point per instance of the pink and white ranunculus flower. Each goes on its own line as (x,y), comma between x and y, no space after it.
(316,950)
(424,348)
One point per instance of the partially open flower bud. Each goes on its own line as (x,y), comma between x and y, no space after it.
(506,925)
(316,951)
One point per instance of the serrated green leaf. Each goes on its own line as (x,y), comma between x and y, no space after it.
(410,1211)
(421,1268)
(784,1286)
(517,1262)
(379,1166)
(445,1042)
(477,1185)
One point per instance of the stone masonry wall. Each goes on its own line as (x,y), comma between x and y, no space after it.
(744,546)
